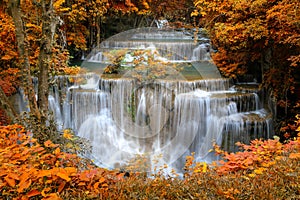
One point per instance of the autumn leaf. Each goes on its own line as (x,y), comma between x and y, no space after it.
(6,57)
(96,185)
(33,193)
(11,182)
(63,175)
(81,183)
(44,173)
(61,186)
(14,176)
(101,180)
(259,170)
(294,156)
(44,191)
(23,185)
(71,170)
(67,134)
(56,151)
(49,143)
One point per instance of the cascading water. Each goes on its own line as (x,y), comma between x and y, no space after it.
(163,118)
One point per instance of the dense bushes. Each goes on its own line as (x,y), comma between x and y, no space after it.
(29,170)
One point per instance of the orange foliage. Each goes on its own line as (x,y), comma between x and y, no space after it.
(9,80)
(8,48)
(252,159)
(71,70)
(258,156)
(251,33)
(230,64)
(32,28)
(29,169)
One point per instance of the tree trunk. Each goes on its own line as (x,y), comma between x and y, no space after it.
(49,23)
(15,12)
(7,107)
(98,21)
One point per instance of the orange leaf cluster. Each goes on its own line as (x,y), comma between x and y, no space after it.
(9,80)
(8,47)
(257,156)
(28,169)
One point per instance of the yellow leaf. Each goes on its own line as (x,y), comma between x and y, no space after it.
(64,9)
(203,13)
(58,3)
(204,169)
(44,191)
(67,134)
(56,151)
(245,177)
(259,170)
(194,13)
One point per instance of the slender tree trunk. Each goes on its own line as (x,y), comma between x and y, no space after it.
(15,12)
(91,38)
(49,22)
(98,21)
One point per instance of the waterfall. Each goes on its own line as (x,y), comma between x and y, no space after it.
(162,118)
(169,119)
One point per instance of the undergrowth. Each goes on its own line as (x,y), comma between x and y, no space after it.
(264,169)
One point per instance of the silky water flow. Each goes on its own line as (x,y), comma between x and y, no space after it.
(163,119)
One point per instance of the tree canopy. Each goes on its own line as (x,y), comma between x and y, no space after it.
(246,34)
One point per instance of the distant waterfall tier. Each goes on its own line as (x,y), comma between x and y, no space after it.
(123,117)
(166,44)
(172,44)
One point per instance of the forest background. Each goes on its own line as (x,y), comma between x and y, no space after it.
(258,38)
